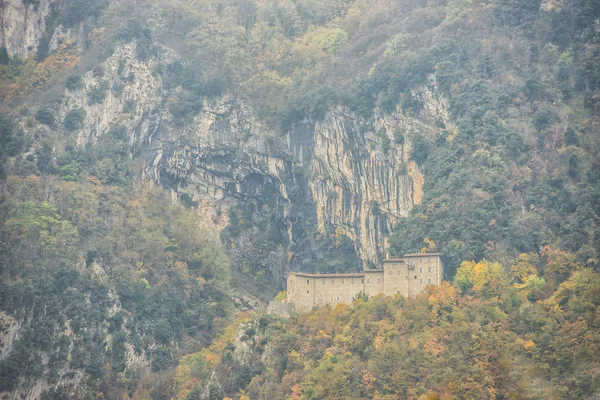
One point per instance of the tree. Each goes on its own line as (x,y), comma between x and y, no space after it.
(45,116)
(74,119)
(69,172)
(484,279)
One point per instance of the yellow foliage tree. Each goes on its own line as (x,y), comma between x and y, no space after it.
(484,279)
(281,295)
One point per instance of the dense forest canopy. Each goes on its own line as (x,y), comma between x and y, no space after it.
(112,286)
(490,336)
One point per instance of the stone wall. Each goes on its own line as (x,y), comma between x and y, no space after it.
(337,288)
(406,276)
(280,309)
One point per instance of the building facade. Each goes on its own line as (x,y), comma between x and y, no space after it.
(406,276)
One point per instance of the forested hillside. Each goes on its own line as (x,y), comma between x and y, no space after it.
(102,285)
(156,153)
(491,335)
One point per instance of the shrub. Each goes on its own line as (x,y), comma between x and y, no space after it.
(69,172)
(542,119)
(281,295)
(188,201)
(79,10)
(420,149)
(97,94)
(98,71)
(73,82)
(399,138)
(4,57)
(375,209)
(385,144)
(128,106)
(74,119)
(45,116)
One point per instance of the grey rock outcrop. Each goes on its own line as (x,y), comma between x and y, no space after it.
(22,25)
(357,175)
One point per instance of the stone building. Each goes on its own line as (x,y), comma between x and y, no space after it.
(406,276)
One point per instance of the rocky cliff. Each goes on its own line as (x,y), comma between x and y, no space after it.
(22,25)
(362,177)
(355,174)
(27,24)
(352,173)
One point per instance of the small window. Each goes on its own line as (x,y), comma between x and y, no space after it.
(342,283)
(421,281)
(398,273)
(338,298)
(391,272)
(378,280)
(420,270)
(429,269)
(415,277)
(362,280)
(308,291)
(307,281)
(368,281)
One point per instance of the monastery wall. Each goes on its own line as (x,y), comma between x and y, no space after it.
(406,276)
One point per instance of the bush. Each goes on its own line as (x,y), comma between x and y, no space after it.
(74,119)
(4,57)
(128,106)
(542,119)
(69,172)
(385,144)
(188,201)
(281,295)
(79,10)
(399,138)
(45,116)
(420,150)
(73,82)
(97,94)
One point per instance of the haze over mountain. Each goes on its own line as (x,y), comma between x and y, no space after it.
(164,164)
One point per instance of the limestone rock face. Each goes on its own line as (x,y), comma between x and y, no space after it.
(22,25)
(121,91)
(9,333)
(362,177)
(62,34)
(352,174)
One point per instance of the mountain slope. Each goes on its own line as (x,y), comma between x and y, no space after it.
(304,133)
(487,337)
